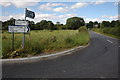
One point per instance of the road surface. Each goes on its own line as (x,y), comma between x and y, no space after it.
(98,60)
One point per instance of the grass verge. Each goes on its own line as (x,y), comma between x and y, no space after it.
(43,41)
(110,34)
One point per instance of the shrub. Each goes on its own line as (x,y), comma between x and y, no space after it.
(83,28)
(111,31)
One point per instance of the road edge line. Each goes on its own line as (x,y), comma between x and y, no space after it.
(43,56)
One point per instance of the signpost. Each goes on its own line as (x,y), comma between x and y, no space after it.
(18,29)
(21,26)
(21,22)
(13,41)
(29,14)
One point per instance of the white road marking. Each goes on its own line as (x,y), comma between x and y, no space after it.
(109,41)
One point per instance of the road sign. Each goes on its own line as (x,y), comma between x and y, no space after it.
(21,22)
(19,29)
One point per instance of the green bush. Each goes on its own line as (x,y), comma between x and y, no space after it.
(112,31)
(83,28)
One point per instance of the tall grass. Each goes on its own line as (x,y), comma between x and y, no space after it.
(0,45)
(43,41)
(109,31)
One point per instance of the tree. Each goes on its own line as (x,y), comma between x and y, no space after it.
(90,24)
(57,23)
(60,26)
(37,26)
(31,25)
(74,22)
(1,25)
(105,24)
(50,25)
(43,24)
(96,24)
(7,23)
(115,23)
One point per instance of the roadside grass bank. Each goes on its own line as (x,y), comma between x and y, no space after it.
(112,32)
(0,45)
(43,41)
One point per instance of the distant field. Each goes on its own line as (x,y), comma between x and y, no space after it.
(43,41)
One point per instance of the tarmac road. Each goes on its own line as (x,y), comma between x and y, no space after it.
(98,60)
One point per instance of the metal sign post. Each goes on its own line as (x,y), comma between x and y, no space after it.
(21,26)
(13,40)
(23,40)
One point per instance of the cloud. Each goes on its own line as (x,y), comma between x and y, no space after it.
(93,19)
(83,4)
(5,13)
(23,4)
(60,9)
(53,17)
(67,15)
(16,16)
(56,4)
(110,17)
(5,4)
(116,3)
(99,2)
(18,3)
(46,7)
(41,16)
(51,7)
(79,5)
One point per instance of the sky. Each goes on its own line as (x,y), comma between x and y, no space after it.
(60,11)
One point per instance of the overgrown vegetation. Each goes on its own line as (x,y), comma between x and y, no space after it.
(109,28)
(109,31)
(44,41)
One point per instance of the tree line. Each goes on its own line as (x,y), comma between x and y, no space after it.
(103,24)
(71,23)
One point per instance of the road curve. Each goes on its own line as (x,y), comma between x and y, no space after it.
(98,60)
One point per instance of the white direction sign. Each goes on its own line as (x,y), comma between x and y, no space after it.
(21,22)
(18,29)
